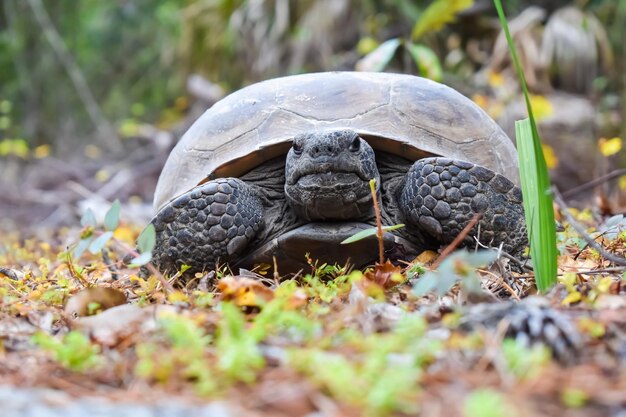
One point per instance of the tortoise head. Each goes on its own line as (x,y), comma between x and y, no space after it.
(327,175)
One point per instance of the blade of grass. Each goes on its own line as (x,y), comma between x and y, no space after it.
(535,182)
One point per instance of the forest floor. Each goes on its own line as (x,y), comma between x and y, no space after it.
(330,341)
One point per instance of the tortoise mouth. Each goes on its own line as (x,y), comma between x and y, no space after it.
(329,180)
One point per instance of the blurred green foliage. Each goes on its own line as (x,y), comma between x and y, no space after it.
(126,50)
(135,55)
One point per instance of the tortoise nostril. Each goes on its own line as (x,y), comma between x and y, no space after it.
(355,145)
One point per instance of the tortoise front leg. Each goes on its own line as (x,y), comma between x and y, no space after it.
(214,222)
(439,196)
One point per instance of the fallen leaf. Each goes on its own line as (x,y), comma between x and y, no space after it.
(244,292)
(386,275)
(117,323)
(426,258)
(610,147)
(88,301)
(551,159)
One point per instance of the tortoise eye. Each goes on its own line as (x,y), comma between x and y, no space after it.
(355,145)
(297,148)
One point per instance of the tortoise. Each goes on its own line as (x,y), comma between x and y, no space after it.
(281,169)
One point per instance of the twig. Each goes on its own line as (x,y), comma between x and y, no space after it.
(379,225)
(581,231)
(597,181)
(75,75)
(457,240)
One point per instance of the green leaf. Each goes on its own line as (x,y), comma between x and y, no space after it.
(140,260)
(537,202)
(379,58)
(88,219)
(97,244)
(80,248)
(438,14)
(112,218)
(537,198)
(426,60)
(369,232)
(147,239)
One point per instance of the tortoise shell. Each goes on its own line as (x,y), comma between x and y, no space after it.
(401,114)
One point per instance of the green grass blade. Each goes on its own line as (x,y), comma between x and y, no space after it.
(535,182)
(537,207)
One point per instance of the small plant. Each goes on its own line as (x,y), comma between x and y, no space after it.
(431,20)
(186,355)
(94,239)
(460,267)
(524,362)
(239,357)
(74,352)
(486,402)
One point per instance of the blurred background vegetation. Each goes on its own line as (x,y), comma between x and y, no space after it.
(94,73)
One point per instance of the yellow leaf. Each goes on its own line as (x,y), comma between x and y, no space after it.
(481,100)
(102,175)
(439,13)
(125,234)
(177,297)
(622,182)
(572,298)
(495,79)
(610,147)
(551,160)
(426,257)
(542,108)
(604,285)
(41,151)
(366,45)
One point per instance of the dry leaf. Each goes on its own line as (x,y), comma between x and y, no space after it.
(386,275)
(244,292)
(115,324)
(610,147)
(91,300)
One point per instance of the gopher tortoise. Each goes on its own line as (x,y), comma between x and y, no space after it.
(281,169)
